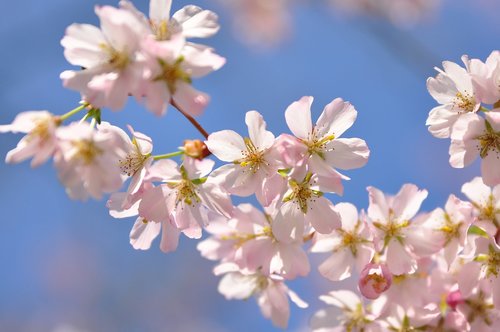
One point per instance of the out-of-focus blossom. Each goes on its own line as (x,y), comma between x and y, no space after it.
(260,22)
(271,294)
(40,141)
(109,57)
(355,316)
(88,159)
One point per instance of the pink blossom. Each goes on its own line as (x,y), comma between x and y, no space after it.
(108,55)
(355,316)
(474,136)
(40,141)
(88,159)
(137,160)
(169,69)
(190,21)
(184,196)
(453,89)
(325,149)
(485,76)
(350,244)
(450,227)
(486,203)
(271,294)
(247,240)
(374,280)
(253,159)
(391,218)
(454,298)
(304,205)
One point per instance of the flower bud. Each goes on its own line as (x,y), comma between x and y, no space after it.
(454,298)
(374,280)
(195,149)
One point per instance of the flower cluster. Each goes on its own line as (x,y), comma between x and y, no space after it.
(474,129)
(436,271)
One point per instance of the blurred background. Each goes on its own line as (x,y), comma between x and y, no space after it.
(67,266)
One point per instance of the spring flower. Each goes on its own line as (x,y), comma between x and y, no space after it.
(486,203)
(325,150)
(40,141)
(453,89)
(271,294)
(374,280)
(350,244)
(108,55)
(475,136)
(88,159)
(253,158)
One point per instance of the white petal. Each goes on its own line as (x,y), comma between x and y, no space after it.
(226,145)
(298,117)
(337,117)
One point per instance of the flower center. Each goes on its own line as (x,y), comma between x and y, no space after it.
(132,163)
(118,60)
(450,229)
(253,159)
(489,142)
(161,30)
(186,192)
(40,130)
(171,73)
(86,151)
(464,101)
(317,145)
(301,193)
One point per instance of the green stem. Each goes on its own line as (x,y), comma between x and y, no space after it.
(168,155)
(484,109)
(73,111)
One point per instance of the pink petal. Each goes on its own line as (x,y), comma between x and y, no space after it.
(298,117)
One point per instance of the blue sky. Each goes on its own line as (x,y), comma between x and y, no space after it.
(69,263)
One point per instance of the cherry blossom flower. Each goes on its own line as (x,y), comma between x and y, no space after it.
(304,205)
(475,136)
(260,22)
(190,22)
(253,159)
(325,149)
(271,294)
(169,69)
(483,265)
(451,224)
(485,76)
(486,203)
(355,316)
(247,240)
(453,89)
(350,244)
(40,141)
(481,314)
(374,280)
(108,55)
(144,231)
(88,159)
(137,160)
(184,196)
(391,218)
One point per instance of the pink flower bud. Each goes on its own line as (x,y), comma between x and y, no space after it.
(374,280)
(454,298)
